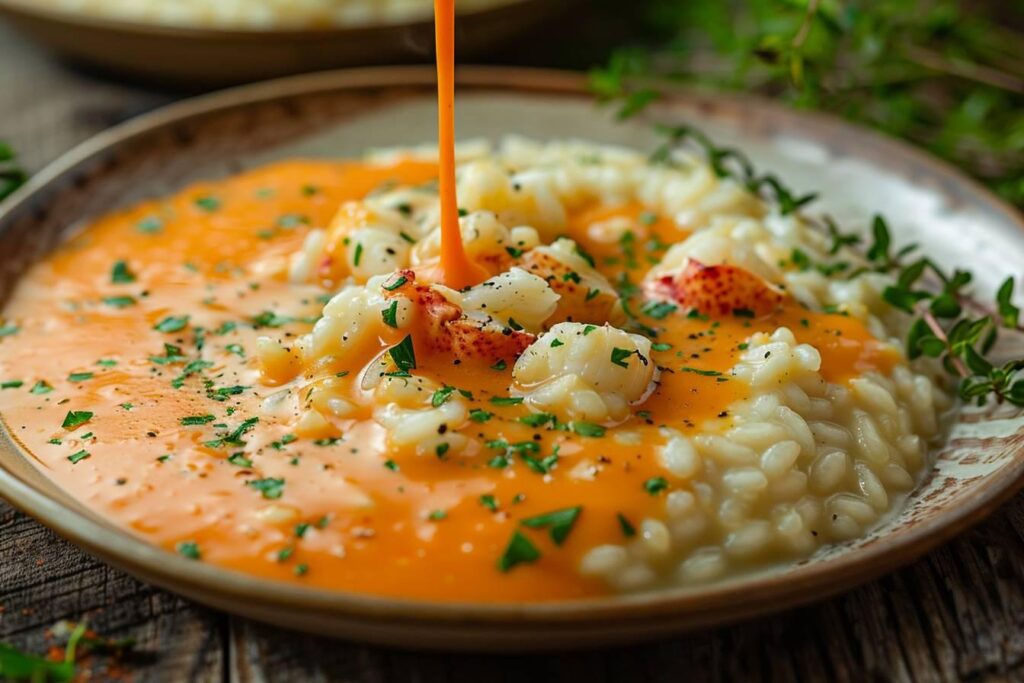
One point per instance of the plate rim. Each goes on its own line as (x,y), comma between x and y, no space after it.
(71,18)
(718,603)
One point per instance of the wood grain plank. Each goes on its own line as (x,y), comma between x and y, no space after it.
(45,580)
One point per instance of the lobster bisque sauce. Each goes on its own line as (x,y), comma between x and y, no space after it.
(351,514)
(457,269)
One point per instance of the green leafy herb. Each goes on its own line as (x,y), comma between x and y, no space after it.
(208,204)
(518,551)
(559,522)
(193,420)
(76,418)
(120,274)
(119,301)
(190,550)
(588,429)
(40,387)
(477,415)
(404,355)
(270,488)
(79,456)
(655,485)
(627,528)
(172,323)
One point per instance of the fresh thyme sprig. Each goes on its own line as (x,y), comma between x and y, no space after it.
(726,162)
(945,74)
(942,327)
(11,175)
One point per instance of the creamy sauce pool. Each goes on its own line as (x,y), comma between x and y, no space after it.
(164,456)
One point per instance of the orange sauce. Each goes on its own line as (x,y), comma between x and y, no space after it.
(457,269)
(357,517)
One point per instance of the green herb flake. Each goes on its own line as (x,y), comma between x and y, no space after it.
(120,274)
(481,416)
(80,376)
(193,420)
(40,387)
(239,460)
(588,429)
(270,488)
(558,522)
(655,485)
(119,301)
(627,528)
(76,418)
(78,457)
(172,323)
(190,550)
(518,551)
(396,283)
(208,204)
(404,355)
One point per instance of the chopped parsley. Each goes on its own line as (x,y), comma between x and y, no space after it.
(537,419)
(481,416)
(658,310)
(193,420)
(655,485)
(76,418)
(506,400)
(390,314)
(398,282)
(619,357)
(190,550)
(208,204)
(120,274)
(78,457)
(270,488)
(80,376)
(172,323)
(239,460)
(11,384)
(404,355)
(441,395)
(558,522)
(518,551)
(627,528)
(119,301)
(588,429)
(40,387)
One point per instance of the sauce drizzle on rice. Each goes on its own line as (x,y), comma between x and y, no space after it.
(457,269)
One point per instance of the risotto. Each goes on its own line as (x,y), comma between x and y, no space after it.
(660,382)
(260,14)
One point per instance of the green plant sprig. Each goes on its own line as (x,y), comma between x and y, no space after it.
(726,162)
(11,175)
(944,74)
(937,300)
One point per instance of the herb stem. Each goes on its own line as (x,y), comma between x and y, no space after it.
(937,330)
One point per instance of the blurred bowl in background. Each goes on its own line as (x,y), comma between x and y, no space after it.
(227,50)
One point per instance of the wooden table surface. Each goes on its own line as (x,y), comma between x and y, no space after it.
(957,614)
